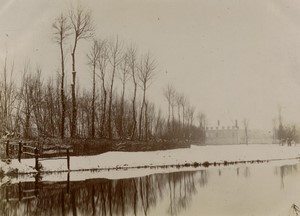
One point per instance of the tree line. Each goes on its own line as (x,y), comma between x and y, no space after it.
(283,133)
(49,107)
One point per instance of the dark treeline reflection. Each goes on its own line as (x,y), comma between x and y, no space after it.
(134,196)
(286,170)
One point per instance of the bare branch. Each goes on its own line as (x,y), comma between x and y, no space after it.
(81,22)
(61,29)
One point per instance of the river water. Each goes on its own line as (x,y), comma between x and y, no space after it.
(247,189)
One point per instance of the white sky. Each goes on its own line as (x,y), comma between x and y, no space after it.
(233,58)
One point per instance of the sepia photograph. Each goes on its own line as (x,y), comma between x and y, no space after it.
(149,107)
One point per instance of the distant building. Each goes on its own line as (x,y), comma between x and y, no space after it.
(222,135)
(227,135)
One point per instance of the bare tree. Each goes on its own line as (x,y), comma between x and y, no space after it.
(179,99)
(50,101)
(201,119)
(7,97)
(26,94)
(61,32)
(124,76)
(184,103)
(190,115)
(150,118)
(145,75)
(246,124)
(159,124)
(274,124)
(115,58)
(93,57)
(280,132)
(38,102)
(202,124)
(102,64)
(169,94)
(84,114)
(132,62)
(82,28)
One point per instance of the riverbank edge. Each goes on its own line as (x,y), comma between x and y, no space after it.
(206,164)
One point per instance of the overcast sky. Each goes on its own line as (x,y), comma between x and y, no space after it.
(234,59)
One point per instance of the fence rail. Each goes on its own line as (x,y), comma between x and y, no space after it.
(37,152)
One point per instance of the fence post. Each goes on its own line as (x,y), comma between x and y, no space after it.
(7,149)
(68,158)
(6,189)
(20,151)
(68,183)
(20,191)
(62,203)
(36,154)
(36,189)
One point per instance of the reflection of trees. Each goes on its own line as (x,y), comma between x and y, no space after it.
(286,170)
(136,196)
(203,180)
(103,197)
(181,188)
(247,172)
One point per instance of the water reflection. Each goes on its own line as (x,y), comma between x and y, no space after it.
(99,196)
(173,193)
(286,170)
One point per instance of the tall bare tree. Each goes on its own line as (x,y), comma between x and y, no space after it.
(61,31)
(145,75)
(124,76)
(7,96)
(178,104)
(132,62)
(202,125)
(115,58)
(201,119)
(82,28)
(246,124)
(39,102)
(169,94)
(190,116)
(26,95)
(184,104)
(93,57)
(102,64)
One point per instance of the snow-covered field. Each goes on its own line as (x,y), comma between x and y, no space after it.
(198,154)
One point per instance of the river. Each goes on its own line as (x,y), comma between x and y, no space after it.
(244,189)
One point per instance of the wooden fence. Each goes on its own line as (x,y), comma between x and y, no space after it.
(31,190)
(38,152)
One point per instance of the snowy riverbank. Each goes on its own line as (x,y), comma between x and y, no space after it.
(194,155)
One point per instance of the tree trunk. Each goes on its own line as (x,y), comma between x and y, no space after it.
(93,101)
(183,129)
(169,116)
(74,105)
(122,111)
(103,117)
(134,123)
(110,103)
(63,102)
(173,121)
(146,121)
(141,113)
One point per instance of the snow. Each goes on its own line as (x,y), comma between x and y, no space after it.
(198,154)
(14,166)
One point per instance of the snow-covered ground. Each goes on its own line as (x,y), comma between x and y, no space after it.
(195,154)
